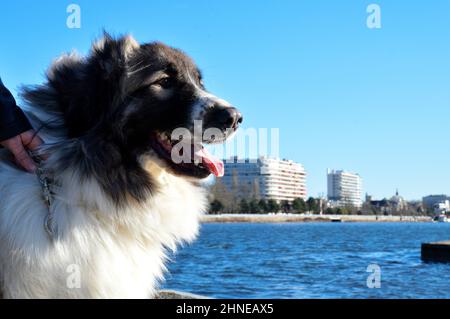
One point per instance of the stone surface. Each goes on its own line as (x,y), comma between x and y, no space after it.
(172,294)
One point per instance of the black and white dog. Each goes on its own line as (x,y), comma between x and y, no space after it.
(120,194)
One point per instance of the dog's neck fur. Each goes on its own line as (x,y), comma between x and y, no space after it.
(120,252)
(119,249)
(92,198)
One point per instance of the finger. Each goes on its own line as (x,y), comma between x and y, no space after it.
(31,140)
(22,157)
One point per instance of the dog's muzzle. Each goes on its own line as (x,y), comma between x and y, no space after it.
(223,118)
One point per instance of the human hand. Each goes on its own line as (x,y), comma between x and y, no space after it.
(18,146)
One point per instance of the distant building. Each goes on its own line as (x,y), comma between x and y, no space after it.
(381,205)
(266,178)
(442,207)
(430,202)
(398,202)
(395,204)
(344,189)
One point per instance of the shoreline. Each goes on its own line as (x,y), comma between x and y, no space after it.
(293,218)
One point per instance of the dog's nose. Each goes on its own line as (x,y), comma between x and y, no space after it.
(223,118)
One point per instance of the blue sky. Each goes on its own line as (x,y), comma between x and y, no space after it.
(376,102)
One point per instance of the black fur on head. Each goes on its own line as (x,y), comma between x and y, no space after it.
(111,104)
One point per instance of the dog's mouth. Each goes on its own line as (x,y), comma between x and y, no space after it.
(186,158)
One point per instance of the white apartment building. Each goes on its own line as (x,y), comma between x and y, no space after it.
(269,178)
(344,189)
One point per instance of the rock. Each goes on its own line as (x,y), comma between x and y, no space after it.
(172,294)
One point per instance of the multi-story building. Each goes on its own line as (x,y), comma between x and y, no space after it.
(266,178)
(442,207)
(431,201)
(344,189)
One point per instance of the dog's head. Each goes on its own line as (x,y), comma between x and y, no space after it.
(143,99)
(170,111)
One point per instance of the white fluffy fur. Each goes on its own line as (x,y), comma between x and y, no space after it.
(120,253)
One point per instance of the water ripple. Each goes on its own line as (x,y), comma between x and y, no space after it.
(311,260)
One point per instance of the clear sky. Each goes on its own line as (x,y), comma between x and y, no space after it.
(372,101)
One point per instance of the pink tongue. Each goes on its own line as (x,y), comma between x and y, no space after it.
(214,165)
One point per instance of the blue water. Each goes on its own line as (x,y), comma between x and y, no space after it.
(311,260)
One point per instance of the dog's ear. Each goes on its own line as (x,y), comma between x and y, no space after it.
(113,54)
(85,90)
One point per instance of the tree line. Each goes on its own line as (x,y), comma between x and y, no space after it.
(262,206)
(246,199)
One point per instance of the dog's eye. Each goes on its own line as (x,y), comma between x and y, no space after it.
(165,83)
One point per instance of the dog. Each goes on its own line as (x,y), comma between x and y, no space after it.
(120,198)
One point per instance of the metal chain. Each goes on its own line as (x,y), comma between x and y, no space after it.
(45,182)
